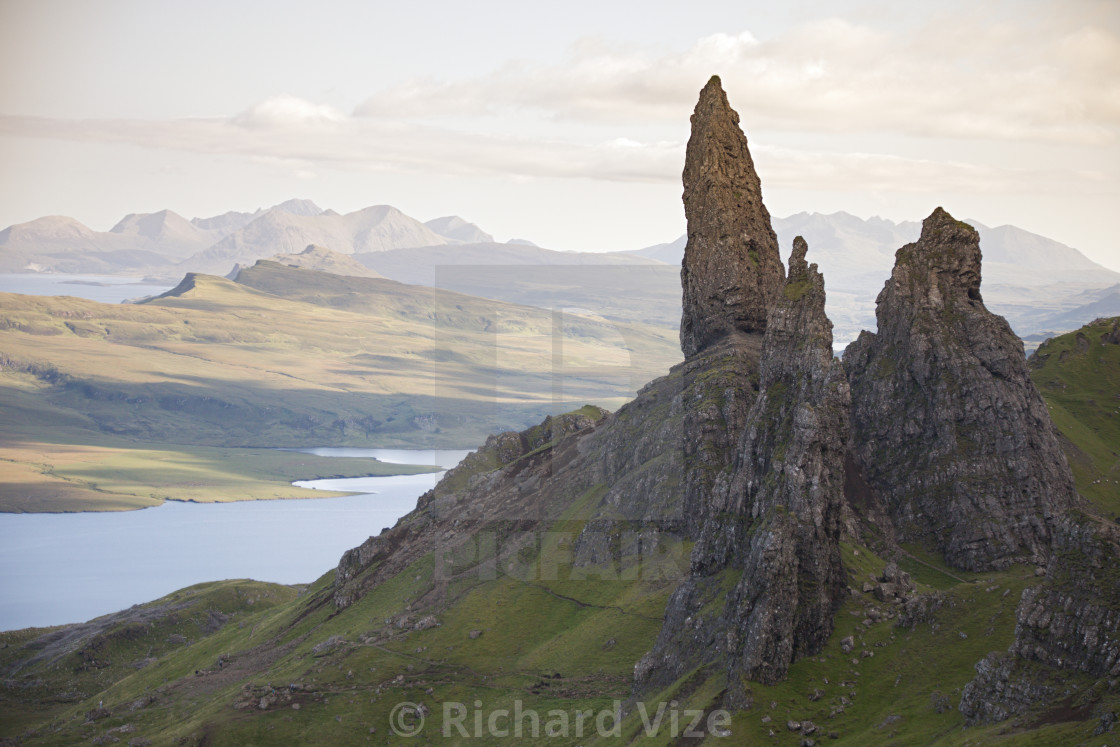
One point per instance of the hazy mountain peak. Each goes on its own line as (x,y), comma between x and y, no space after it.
(224,223)
(153,225)
(298,207)
(50,226)
(378,211)
(522,242)
(457,229)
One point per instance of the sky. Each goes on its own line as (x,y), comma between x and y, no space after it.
(562,123)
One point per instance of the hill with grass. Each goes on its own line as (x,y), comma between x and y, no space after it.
(281,357)
(1079,375)
(508,620)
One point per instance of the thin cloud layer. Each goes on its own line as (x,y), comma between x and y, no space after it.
(939,80)
(304,136)
(958,80)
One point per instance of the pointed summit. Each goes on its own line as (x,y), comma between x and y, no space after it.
(732,272)
(948,253)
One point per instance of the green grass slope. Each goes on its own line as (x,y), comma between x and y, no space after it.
(1079,376)
(557,644)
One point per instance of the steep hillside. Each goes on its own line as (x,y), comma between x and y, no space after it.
(1079,376)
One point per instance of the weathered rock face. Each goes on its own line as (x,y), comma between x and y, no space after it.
(503,491)
(770,539)
(949,431)
(732,272)
(667,448)
(634,471)
(1069,622)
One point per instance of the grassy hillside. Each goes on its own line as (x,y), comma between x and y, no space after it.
(1079,377)
(315,358)
(284,357)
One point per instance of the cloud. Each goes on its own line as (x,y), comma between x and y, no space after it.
(945,79)
(938,80)
(287,134)
(300,137)
(876,172)
(288,111)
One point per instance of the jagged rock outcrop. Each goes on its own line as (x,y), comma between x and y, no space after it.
(633,468)
(514,481)
(950,433)
(665,450)
(1070,622)
(770,540)
(732,273)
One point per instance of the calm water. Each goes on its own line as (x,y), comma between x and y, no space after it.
(63,568)
(103,288)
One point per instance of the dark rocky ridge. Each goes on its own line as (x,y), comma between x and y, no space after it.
(732,273)
(772,526)
(949,430)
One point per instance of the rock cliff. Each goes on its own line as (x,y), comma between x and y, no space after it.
(949,430)
(1070,622)
(766,577)
(732,272)
(500,486)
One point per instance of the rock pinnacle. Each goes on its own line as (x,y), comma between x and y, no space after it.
(732,272)
(948,426)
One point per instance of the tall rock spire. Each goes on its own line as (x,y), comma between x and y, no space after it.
(772,526)
(732,272)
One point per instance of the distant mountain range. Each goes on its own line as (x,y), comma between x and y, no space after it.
(1042,286)
(848,248)
(168,245)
